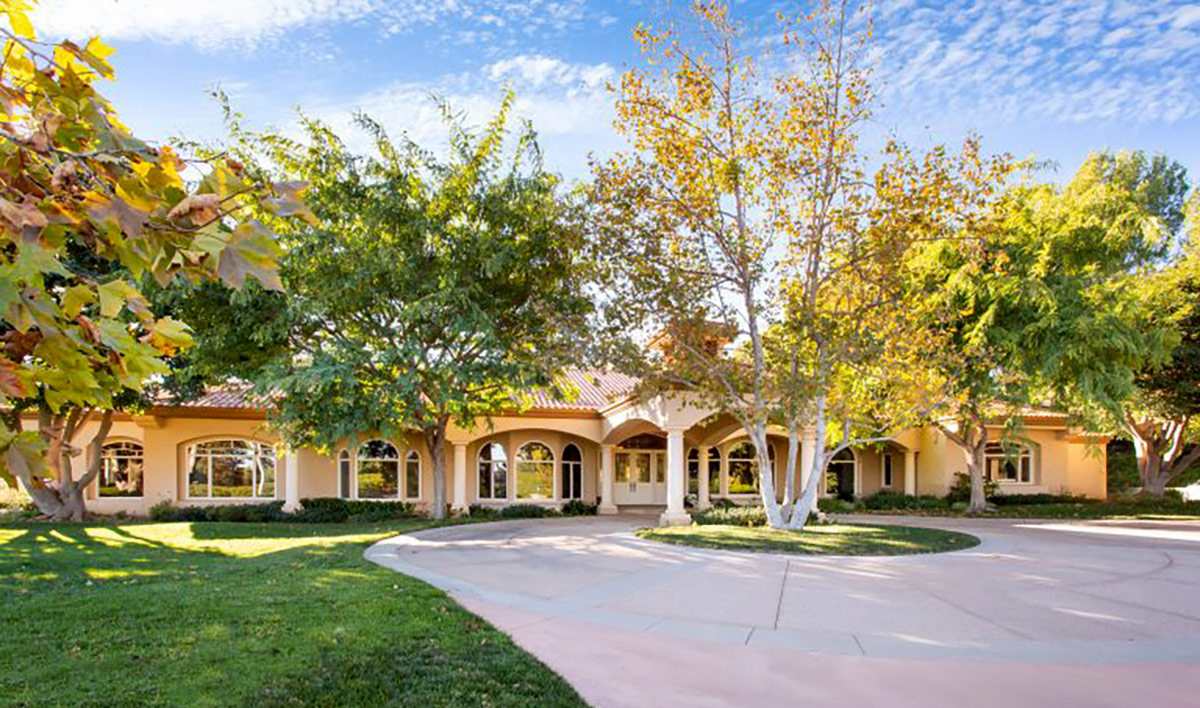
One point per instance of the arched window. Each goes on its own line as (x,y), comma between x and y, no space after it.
(572,473)
(742,466)
(535,472)
(378,470)
(121,466)
(344,474)
(231,468)
(693,471)
(412,475)
(1010,463)
(493,472)
(839,476)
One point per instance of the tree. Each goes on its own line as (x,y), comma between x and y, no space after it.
(432,290)
(1160,415)
(88,211)
(1032,305)
(742,221)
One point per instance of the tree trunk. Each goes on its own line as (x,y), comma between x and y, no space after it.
(793,458)
(977,469)
(435,440)
(766,475)
(806,504)
(58,495)
(1158,444)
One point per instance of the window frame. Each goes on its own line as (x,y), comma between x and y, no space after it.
(491,463)
(567,470)
(995,453)
(887,471)
(260,449)
(552,463)
(727,458)
(356,466)
(113,443)
(410,456)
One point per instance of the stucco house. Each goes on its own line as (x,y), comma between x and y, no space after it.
(604,447)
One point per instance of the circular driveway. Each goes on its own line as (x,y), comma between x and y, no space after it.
(1041,613)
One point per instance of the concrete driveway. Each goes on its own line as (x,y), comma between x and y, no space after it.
(1053,614)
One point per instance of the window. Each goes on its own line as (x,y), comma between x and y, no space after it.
(121,470)
(378,470)
(412,475)
(231,468)
(344,474)
(1009,463)
(633,467)
(493,472)
(572,473)
(693,471)
(742,468)
(714,471)
(535,472)
(887,470)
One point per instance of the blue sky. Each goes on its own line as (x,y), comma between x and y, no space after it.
(1049,78)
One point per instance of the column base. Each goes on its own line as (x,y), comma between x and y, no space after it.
(675,518)
(291,507)
(606,509)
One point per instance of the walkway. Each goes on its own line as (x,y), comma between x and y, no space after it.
(1039,614)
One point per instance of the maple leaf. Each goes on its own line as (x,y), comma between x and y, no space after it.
(198,208)
(130,220)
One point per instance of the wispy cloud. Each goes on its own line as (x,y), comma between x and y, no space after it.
(1067,61)
(219,24)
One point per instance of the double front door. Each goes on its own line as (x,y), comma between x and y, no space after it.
(640,477)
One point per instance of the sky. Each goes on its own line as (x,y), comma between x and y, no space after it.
(1051,79)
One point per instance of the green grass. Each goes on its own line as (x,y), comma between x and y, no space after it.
(263,615)
(831,539)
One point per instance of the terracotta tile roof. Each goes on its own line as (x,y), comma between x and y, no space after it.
(592,389)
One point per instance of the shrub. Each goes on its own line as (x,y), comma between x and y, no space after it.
(724,503)
(885,501)
(253,513)
(1035,499)
(333,510)
(837,506)
(479,511)
(732,515)
(578,507)
(527,511)
(960,491)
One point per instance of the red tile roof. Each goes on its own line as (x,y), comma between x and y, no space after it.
(585,389)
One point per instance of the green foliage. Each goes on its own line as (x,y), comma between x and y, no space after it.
(960,489)
(333,509)
(838,506)
(240,513)
(528,511)
(578,507)
(821,539)
(731,516)
(321,510)
(896,501)
(1039,498)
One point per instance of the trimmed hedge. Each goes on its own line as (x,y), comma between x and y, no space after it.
(578,507)
(322,510)
(731,516)
(884,501)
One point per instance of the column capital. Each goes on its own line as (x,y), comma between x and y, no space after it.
(608,446)
(675,429)
(457,444)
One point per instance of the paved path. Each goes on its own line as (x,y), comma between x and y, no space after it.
(1052,614)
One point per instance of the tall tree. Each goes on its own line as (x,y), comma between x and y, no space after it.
(1032,306)
(88,211)
(743,213)
(432,290)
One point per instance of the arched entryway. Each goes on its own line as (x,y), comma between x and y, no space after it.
(640,470)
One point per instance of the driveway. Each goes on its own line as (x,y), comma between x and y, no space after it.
(1096,614)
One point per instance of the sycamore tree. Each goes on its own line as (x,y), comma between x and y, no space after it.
(1161,415)
(1033,305)
(88,211)
(746,223)
(433,289)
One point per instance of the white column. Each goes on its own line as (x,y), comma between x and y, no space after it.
(702,495)
(910,473)
(675,515)
(808,452)
(460,477)
(607,455)
(291,482)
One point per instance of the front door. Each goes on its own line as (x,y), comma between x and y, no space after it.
(640,477)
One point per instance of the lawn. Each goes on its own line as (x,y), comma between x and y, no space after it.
(263,615)
(830,539)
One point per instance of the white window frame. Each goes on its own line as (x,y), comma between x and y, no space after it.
(566,473)
(358,459)
(409,456)
(1025,464)
(508,472)
(726,458)
(105,457)
(552,463)
(260,451)
(346,457)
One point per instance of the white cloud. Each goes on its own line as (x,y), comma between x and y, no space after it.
(216,24)
(1187,17)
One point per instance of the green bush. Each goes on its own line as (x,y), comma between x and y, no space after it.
(578,507)
(723,503)
(1040,498)
(837,506)
(733,515)
(322,510)
(479,511)
(527,511)
(334,510)
(254,513)
(886,501)
(960,491)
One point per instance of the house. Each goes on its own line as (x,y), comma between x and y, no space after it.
(603,446)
